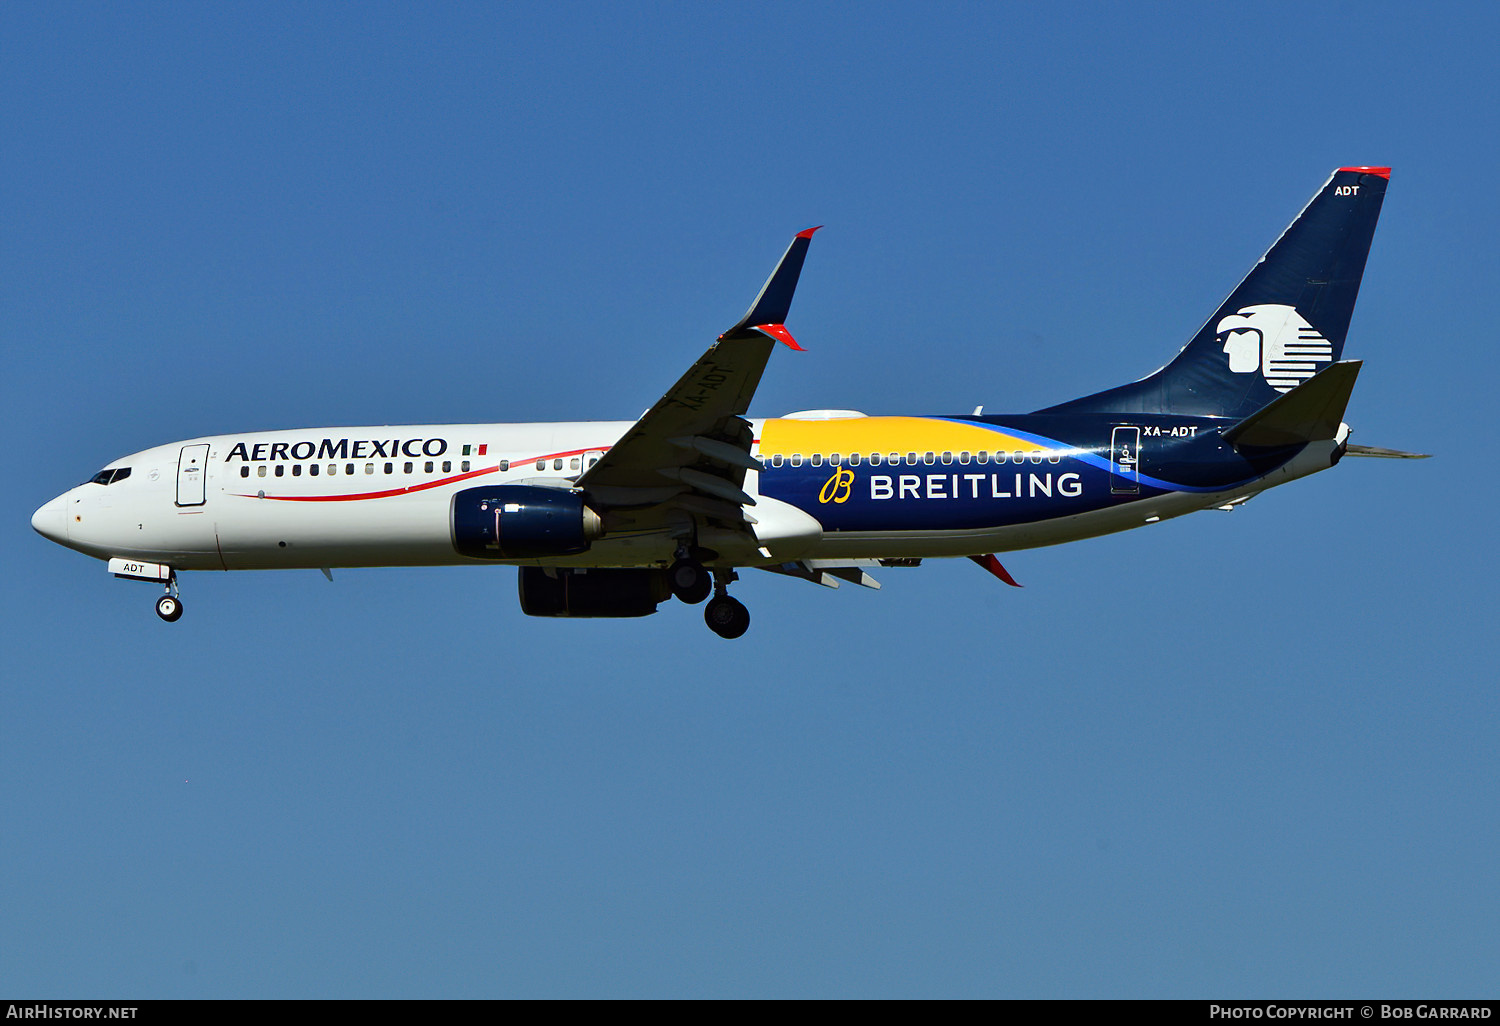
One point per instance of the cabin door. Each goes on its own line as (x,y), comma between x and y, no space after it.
(192,472)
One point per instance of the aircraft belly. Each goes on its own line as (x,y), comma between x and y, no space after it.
(407,530)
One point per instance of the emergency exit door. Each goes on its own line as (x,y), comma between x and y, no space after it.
(1125,454)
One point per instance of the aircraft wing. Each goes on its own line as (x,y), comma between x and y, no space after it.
(691,450)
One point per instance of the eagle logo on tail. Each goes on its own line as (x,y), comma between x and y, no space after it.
(1277,341)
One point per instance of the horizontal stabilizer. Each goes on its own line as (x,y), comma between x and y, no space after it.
(1386,454)
(1311,412)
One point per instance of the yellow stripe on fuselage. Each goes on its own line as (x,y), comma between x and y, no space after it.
(884,435)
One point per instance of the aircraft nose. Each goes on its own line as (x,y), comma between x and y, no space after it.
(51,520)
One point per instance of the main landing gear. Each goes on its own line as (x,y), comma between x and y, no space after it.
(689,580)
(727,617)
(692,582)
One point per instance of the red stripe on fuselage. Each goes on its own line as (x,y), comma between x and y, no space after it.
(387,493)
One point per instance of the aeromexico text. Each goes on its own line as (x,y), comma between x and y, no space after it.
(337,449)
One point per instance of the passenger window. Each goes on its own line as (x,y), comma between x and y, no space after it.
(447,466)
(297,470)
(1053,457)
(963,457)
(348,468)
(981,457)
(557,463)
(260,471)
(929,458)
(776,460)
(796,459)
(1036,456)
(333,468)
(464,467)
(541,464)
(947,457)
(504,465)
(280,469)
(817,459)
(895,458)
(409,466)
(854,459)
(835,460)
(428,467)
(369,468)
(390,468)
(244,472)
(575,464)
(312,469)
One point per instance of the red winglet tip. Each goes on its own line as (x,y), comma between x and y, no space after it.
(808,233)
(779,332)
(992,564)
(1383,172)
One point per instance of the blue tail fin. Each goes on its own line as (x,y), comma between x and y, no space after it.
(1285,322)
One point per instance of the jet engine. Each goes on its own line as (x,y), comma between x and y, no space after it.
(521,522)
(563,591)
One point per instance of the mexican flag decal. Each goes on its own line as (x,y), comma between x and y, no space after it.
(476,450)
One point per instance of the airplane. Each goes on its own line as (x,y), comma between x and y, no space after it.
(611,519)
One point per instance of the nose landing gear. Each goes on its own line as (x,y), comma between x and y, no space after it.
(169,606)
(725,616)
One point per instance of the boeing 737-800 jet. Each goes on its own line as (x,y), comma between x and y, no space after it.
(612,519)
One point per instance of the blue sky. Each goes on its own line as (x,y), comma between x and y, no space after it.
(1249,754)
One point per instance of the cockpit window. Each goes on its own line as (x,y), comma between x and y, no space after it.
(110,476)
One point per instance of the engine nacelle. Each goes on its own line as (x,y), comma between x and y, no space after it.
(562,591)
(520,522)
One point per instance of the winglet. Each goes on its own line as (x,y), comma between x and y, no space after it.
(767,314)
(992,564)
